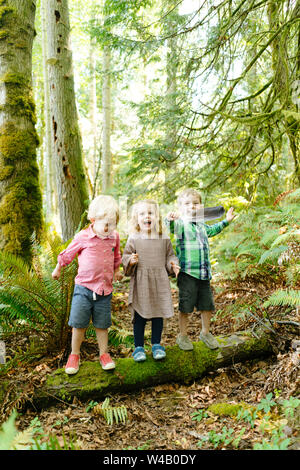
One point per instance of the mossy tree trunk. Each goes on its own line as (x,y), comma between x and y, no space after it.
(66,139)
(20,195)
(283,76)
(91,382)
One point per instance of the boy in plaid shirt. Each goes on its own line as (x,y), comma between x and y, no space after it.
(192,250)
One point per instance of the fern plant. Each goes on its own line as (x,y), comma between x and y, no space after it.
(30,438)
(263,241)
(31,300)
(117,414)
(287,297)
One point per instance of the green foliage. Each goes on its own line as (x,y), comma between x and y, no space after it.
(267,417)
(266,404)
(222,439)
(289,406)
(112,414)
(8,433)
(289,298)
(199,415)
(31,300)
(276,442)
(119,335)
(32,438)
(262,242)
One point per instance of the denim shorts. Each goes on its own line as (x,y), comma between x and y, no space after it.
(193,293)
(84,307)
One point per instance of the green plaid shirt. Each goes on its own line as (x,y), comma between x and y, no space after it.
(192,247)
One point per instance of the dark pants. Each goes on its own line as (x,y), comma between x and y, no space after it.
(139,330)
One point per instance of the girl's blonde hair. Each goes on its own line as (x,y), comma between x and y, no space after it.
(133,223)
(103,206)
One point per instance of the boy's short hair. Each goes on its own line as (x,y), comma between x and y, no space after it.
(188,192)
(103,206)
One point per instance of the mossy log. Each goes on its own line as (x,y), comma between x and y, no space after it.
(91,382)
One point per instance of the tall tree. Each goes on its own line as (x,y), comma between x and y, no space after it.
(66,138)
(49,177)
(106,106)
(93,116)
(20,196)
(283,76)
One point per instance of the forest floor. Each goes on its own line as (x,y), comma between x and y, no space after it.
(175,416)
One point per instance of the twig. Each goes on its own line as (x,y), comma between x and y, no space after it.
(260,321)
(288,322)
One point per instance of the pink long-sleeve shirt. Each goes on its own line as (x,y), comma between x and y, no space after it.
(98,258)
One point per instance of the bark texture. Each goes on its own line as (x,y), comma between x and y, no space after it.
(20,196)
(106,105)
(91,382)
(66,139)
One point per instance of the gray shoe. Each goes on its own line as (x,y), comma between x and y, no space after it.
(209,340)
(184,343)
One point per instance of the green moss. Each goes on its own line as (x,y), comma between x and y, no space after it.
(4,34)
(23,103)
(21,205)
(6,171)
(4,11)
(17,144)
(92,381)
(14,78)
(226,409)
(19,95)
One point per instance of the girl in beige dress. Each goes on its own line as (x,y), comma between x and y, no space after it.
(149,259)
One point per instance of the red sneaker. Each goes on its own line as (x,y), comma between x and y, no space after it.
(106,362)
(72,366)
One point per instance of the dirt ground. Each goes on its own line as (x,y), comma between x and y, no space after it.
(163,417)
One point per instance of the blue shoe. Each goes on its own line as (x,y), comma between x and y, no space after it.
(158,351)
(139,354)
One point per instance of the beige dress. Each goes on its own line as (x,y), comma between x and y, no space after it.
(149,290)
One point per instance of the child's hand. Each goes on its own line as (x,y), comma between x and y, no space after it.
(175,268)
(172,216)
(56,272)
(230,214)
(134,259)
(118,276)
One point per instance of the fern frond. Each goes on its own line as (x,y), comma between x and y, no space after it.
(31,295)
(111,414)
(269,236)
(272,254)
(118,336)
(291,235)
(282,297)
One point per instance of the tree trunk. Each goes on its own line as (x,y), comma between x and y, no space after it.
(170,169)
(93,119)
(91,382)
(49,187)
(66,138)
(106,104)
(282,77)
(20,195)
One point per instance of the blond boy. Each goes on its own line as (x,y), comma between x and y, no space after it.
(99,258)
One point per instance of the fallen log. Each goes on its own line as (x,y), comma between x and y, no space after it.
(92,383)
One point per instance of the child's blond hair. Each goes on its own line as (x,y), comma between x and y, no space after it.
(188,192)
(103,206)
(133,223)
